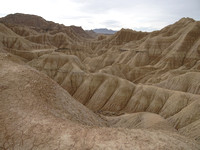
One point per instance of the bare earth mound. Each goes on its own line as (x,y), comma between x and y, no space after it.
(38,114)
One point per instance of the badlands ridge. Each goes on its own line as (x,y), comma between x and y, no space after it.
(64,88)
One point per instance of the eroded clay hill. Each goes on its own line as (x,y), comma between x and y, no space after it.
(130,89)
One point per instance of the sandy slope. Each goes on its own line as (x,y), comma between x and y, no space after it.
(36,113)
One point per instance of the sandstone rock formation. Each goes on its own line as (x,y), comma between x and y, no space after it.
(62,89)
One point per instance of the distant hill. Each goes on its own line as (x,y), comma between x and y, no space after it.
(104,31)
(91,33)
(40,24)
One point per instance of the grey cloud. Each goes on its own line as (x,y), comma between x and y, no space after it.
(157,13)
(176,8)
(112,24)
(102,6)
(145,15)
(76,17)
(180,8)
(2,14)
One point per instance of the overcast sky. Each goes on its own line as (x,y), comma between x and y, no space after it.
(145,15)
